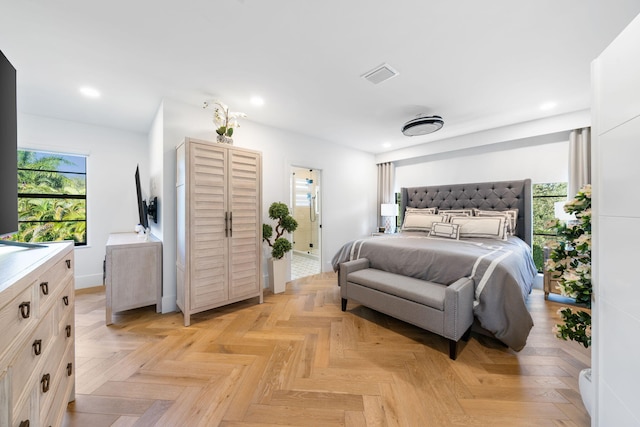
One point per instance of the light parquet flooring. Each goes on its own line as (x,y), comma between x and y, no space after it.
(298,360)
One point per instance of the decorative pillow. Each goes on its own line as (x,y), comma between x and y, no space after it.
(511,214)
(423,211)
(467,212)
(419,222)
(443,229)
(448,215)
(492,227)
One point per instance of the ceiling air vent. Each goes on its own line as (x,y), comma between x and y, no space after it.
(379,74)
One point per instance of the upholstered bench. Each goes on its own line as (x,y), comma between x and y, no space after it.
(444,310)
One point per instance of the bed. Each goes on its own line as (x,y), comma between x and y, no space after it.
(502,268)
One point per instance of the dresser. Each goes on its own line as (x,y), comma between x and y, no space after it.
(219,225)
(37,350)
(133,273)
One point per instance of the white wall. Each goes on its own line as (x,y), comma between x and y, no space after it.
(616,231)
(543,159)
(112,156)
(348,176)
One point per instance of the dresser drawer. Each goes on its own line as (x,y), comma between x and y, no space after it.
(31,356)
(23,415)
(64,307)
(51,282)
(63,390)
(50,375)
(16,318)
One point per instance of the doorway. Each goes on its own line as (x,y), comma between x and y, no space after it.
(306,207)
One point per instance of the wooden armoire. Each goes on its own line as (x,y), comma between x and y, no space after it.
(219,225)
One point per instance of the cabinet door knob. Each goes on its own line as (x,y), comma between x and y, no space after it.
(25,309)
(68,261)
(68,330)
(37,347)
(44,287)
(69,369)
(65,300)
(24,423)
(45,382)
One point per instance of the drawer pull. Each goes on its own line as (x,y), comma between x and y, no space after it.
(68,263)
(68,329)
(45,382)
(25,309)
(37,347)
(24,423)
(65,300)
(69,369)
(44,286)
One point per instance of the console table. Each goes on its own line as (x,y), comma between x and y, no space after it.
(133,273)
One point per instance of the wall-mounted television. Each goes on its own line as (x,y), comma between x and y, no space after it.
(8,148)
(145,211)
(142,205)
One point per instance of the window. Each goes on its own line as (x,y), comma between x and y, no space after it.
(544,196)
(52,197)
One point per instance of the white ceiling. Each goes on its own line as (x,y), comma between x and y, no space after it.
(478,64)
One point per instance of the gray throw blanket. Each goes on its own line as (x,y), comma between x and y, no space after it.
(503,273)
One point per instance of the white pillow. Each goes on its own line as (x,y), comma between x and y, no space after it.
(492,227)
(443,229)
(423,211)
(511,214)
(419,222)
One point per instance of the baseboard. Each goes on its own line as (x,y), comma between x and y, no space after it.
(88,281)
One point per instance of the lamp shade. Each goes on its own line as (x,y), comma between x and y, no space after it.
(388,209)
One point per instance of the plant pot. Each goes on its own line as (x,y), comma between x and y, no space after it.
(223,139)
(587,389)
(278,274)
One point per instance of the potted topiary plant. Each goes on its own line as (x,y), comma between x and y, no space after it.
(279,244)
(570,260)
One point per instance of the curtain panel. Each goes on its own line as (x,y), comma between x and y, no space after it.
(579,160)
(386,176)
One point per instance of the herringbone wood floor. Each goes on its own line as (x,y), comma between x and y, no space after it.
(298,360)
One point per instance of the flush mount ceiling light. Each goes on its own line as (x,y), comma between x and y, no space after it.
(422,125)
(89,92)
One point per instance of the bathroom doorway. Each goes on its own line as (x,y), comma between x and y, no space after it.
(306,206)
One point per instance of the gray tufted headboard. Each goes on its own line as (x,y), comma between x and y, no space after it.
(486,195)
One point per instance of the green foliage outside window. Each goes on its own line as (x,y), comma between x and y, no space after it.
(544,196)
(51,198)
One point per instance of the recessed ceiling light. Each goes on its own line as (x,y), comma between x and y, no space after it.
(257,101)
(90,92)
(548,106)
(386,145)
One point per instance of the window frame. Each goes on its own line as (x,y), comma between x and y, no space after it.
(58,196)
(547,236)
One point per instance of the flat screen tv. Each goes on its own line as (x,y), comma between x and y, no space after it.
(8,148)
(142,205)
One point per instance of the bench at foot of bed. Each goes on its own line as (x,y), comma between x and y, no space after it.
(444,310)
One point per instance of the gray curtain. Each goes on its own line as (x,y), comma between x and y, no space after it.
(386,176)
(579,160)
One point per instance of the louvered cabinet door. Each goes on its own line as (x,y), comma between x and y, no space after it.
(244,195)
(208,229)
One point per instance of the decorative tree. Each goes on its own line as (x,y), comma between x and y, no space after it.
(285,223)
(570,259)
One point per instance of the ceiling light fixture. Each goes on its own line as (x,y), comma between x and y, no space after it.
(422,125)
(548,106)
(89,92)
(257,101)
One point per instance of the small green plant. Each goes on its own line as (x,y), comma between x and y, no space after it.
(280,245)
(570,259)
